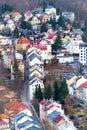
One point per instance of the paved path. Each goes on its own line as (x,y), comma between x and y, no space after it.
(25,99)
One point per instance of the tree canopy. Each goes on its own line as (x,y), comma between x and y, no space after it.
(38,93)
(48,92)
(53,22)
(56,91)
(84,36)
(57,44)
(15,68)
(63,90)
(5,8)
(61,21)
(16,33)
(43,27)
(25,25)
(44,5)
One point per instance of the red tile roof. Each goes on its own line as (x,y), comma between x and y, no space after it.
(10,104)
(18,105)
(84,85)
(23,40)
(41,47)
(28,13)
(49,107)
(37,42)
(51,36)
(2,123)
(42,102)
(58,118)
(15,14)
(19,60)
(4,116)
(15,112)
(30,44)
(68,26)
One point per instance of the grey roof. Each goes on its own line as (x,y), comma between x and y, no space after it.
(36,64)
(36,79)
(35,76)
(53,115)
(33,128)
(30,72)
(69,76)
(25,124)
(19,116)
(9,53)
(48,103)
(28,122)
(33,55)
(83,44)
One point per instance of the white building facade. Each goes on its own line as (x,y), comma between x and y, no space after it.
(35,75)
(83,54)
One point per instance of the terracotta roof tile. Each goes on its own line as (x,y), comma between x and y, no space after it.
(49,107)
(10,104)
(43,101)
(51,36)
(15,13)
(18,105)
(2,123)
(41,47)
(58,118)
(4,116)
(83,85)
(23,40)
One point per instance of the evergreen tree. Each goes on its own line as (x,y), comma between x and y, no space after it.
(38,93)
(61,21)
(25,25)
(48,92)
(81,69)
(15,68)
(84,37)
(43,27)
(63,90)
(53,22)
(58,11)
(76,25)
(56,91)
(52,3)
(16,33)
(5,8)
(57,44)
(44,4)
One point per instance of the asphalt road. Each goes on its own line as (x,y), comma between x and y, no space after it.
(25,97)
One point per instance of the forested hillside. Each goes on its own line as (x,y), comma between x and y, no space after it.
(78,6)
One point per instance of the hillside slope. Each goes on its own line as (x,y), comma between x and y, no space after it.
(79,6)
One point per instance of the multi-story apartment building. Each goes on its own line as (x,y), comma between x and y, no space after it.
(36,71)
(83,53)
(69,15)
(53,117)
